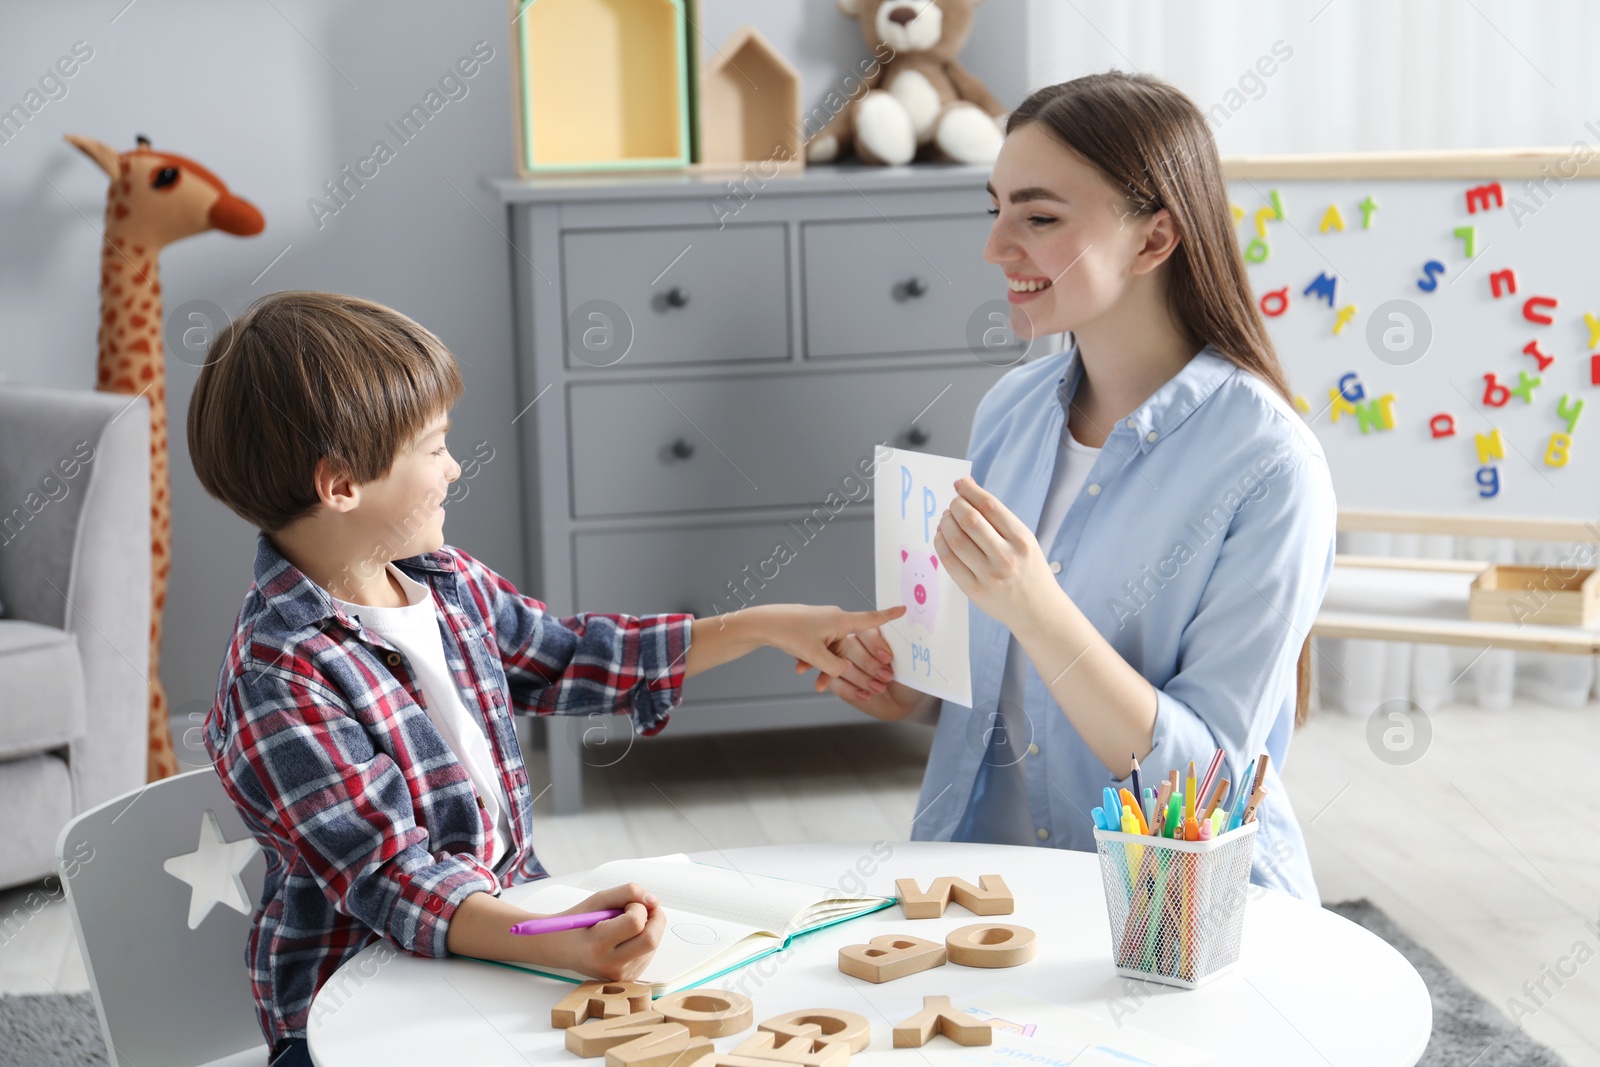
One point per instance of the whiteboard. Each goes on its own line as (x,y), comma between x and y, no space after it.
(1459,331)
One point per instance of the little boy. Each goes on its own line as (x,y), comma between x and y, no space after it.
(363,720)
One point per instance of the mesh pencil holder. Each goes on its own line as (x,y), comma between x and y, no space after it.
(1176,907)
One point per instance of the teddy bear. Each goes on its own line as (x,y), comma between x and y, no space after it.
(920,103)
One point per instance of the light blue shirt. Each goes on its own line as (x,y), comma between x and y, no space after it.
(1200,547)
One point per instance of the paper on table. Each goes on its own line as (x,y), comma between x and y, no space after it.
(1029,1030)
(910,491)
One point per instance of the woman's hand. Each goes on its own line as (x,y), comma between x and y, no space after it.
(618,949)
(869,684)
(993,557)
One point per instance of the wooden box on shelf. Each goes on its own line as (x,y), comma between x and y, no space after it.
(601,85)
(1544,595)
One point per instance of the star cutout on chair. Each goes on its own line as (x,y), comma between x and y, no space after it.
(212,871)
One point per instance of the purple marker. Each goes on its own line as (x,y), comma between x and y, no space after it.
(557,923)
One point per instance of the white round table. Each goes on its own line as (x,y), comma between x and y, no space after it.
(1311,987)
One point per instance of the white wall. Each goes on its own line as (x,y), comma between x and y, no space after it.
(275,97)
(1365,75)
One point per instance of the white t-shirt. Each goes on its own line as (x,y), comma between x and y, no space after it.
(414,630)
(998,811)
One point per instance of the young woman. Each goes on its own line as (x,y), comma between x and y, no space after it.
(1154,530)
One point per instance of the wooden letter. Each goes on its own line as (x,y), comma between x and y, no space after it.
(807,1048)
(642,1039)
(707,1012)
(599,1000)
(991,945)
(891,956)
(838,1027)
(993,899)
(938,1015)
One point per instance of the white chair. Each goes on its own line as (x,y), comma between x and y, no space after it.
(162,883)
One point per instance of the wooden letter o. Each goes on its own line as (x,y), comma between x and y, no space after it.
(707,1012)
(991,945)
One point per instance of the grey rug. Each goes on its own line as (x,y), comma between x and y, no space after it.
(50,1031)
(1467,1030)
(57,1031)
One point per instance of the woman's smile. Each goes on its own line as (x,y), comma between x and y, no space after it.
(1025,287)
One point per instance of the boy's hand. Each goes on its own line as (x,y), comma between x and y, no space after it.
(812,633)
(618,949)
(869,684)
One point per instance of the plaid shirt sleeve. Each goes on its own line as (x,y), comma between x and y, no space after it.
(307,768)
(587,662)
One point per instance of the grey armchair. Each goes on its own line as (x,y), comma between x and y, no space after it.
(75,634)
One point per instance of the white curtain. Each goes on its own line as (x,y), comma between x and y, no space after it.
(1368,75)
(1364,75)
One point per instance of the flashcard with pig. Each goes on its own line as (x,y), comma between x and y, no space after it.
(910,491)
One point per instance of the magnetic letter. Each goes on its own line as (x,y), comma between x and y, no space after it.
(1322,285)
(1556,454)
(1428,283)
(1539,316)
(1494,394)
(1532,349)
(1490,485)
(1569,410)
(1525,385)
(1263,215)
(1478,197)
(1346,313)
(1490,447)
(1339,405)
(1368,206)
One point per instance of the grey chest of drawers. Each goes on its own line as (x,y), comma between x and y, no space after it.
(705,364)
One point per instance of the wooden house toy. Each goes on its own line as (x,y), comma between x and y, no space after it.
(601,84)
(750,105)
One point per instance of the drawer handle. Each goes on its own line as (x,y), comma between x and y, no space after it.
(917,436)
(911,288)
(682,448)
(677,297)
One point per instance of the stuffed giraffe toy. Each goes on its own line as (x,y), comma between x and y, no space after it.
(155,198)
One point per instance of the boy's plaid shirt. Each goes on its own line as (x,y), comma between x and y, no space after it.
(368,821)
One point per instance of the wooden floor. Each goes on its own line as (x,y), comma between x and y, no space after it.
(1459,847)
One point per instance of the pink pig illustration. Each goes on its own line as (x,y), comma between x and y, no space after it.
(919,589)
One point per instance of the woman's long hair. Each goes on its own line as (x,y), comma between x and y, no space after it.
(1150,141)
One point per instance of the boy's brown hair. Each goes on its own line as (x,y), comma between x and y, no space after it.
(303,375)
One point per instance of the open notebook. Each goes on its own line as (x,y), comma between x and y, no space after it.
(717,919)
